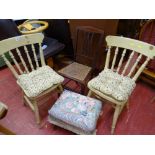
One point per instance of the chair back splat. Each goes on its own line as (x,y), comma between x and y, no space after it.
(88,46)
(138,49)
(10,47)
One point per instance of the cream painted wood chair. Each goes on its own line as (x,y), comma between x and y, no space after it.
(35,78)
(116,84)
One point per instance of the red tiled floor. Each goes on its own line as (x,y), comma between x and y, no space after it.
(139,119)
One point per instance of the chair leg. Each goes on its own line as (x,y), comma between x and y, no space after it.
(36,111)
(121,108)
(23,100)
(6,131)
(89,93)
(115,117)
(127,104)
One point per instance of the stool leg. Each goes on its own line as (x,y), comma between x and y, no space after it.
(82,89)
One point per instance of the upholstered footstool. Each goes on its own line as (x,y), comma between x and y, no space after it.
(76,113)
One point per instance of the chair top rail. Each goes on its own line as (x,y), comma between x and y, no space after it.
(18,41)
(136,45)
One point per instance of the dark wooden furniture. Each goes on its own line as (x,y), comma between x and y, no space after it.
(147,34)
(77,72)
(89,41)
(8,29)
(3,112)
(109,26)
(129,27)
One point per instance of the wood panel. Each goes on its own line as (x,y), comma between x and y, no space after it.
(109,26)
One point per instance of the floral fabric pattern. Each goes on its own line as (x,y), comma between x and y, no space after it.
(113,84)
(39,80)
(77,110)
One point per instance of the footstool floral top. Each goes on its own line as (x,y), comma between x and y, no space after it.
(77,110)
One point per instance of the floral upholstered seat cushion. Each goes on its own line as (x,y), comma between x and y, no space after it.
(39,80)
(113,84)
(77,110)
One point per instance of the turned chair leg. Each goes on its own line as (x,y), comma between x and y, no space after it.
(23,100)
(36,111)
(115,117)
(127,104)
(121,108)
(89,93)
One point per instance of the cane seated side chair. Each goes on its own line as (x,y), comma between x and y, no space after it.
(89,43)
(116,84)
(36,79)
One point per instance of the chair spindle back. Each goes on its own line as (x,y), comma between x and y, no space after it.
(138,49)
(10,44)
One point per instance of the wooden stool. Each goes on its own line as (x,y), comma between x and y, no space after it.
(89,43)
(77,72)
(3,112)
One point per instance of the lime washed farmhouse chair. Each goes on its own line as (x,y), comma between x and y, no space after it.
(35,78)
(116,84)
